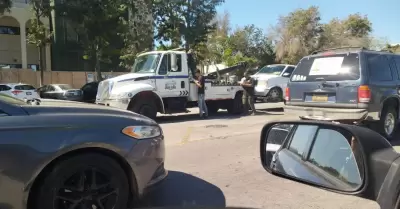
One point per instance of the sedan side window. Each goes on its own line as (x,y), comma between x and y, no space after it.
(302,136)
(332,154)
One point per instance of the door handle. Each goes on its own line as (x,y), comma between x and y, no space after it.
(182,84)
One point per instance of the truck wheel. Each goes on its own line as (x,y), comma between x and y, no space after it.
(236,105)
(145,107)
(387,125)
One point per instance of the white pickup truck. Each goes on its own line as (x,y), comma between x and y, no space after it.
(161,82)
(271,82)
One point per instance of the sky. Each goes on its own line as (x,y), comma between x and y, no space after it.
(384,14)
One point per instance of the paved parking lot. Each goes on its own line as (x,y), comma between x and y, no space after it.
(215,162)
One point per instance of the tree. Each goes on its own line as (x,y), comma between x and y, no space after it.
(297,34)
(353,31)
(140,25)
(38,34)
(188,20)
(100,25)
(5,6)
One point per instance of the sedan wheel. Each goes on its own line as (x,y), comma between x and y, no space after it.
(85,181)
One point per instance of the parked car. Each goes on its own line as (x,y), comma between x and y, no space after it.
(60,91)
(342,158)
(90,91)
(347,84)
(62,153)
(19,90)
(271,81)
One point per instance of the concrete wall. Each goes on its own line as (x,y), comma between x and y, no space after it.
(76,79)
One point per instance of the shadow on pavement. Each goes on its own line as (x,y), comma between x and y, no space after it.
(219,115)
(182,189)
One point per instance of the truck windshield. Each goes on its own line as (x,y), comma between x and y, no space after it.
(272,69)
(146,63)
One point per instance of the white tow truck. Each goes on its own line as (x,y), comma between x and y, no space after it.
(162,82)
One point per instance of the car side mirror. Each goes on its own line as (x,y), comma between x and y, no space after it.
(342,158)
(174,66)
(286,75)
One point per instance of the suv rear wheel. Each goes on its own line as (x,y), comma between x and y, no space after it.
(388,123)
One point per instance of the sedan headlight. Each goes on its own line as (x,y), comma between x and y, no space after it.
(142,132)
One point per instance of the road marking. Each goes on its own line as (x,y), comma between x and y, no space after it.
(186,137)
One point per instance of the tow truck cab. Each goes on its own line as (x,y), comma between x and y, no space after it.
(162,81)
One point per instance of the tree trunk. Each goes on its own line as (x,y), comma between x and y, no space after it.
(41,66)
(98,70)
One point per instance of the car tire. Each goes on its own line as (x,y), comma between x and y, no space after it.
(236,105)
(145,107)
(275,95)
(388,124)
(70,182)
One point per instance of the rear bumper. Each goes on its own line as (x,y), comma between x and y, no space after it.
(338,114)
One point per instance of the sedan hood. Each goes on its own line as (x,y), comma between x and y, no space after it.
(55,107)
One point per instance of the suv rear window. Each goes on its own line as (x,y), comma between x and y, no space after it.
(24,87)
(336,67)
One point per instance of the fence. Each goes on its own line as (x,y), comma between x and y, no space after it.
(75,79)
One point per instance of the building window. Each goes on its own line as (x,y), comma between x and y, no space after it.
(9,30)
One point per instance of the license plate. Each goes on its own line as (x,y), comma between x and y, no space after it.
(28,93)
(319,98)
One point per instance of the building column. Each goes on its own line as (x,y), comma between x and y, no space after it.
(24,57)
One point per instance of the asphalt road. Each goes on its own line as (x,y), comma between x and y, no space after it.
(215,162)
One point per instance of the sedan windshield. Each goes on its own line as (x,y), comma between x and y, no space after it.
(272,69)
(11,100)
(146,63)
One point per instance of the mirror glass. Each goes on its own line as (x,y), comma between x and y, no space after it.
(321,155)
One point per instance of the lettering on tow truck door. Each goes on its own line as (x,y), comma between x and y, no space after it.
(170,85)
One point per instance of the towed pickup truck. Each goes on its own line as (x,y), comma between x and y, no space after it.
(162,82)
(271,81)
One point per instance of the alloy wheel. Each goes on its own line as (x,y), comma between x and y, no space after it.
(87,189)
(389,123)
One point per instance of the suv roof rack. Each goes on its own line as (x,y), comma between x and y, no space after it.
(344,47)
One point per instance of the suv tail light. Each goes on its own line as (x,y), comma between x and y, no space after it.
(364,94)
(16,92)
(287,94)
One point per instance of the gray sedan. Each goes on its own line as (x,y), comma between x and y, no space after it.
(57,154)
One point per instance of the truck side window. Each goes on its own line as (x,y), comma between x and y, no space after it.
(179,63)
(164,66)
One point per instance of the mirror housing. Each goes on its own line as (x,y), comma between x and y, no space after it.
(286,75)
(174,65)
(380,163)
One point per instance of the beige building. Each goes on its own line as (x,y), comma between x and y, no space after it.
(15,52)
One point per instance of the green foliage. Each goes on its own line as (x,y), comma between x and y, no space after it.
(5,6)
(100,25)
(297,34)
(188,20)
(136,34)
(301,32)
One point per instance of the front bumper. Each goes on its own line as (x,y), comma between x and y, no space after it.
(118,103)
(147,161)
(337,114)
(261,91)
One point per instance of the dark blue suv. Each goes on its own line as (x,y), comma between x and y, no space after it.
(347,84)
